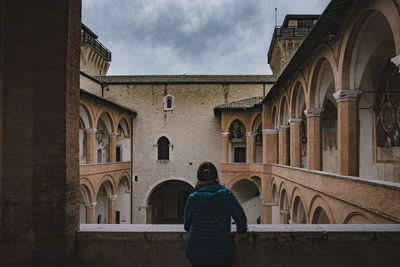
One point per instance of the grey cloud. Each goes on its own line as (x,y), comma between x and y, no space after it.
(193,37)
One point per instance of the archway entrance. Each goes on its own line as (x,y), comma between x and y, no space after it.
(249,197)
(167,201)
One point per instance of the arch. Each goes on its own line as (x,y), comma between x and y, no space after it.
(284,207)
(283,116)
(109,183)
(123,202)
(191,182)
(127,176)
(297,100)
(366,20)
(85,193)
(256,121)
(322,82)
(317,204)
(163,148)
(166,201)
(297,201)
(240,117)
(107,119)
(358,218)
(240,177)
(248,194)
(274,116)
(89,186)
(85,116)
(124,119)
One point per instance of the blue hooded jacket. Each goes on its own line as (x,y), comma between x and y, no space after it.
(206,241)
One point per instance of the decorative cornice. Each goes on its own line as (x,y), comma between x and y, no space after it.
(91,205)
(269,131)
(295,121)
(225,134)
(396,61)
(283,127)
(347,95)
(251,133)
(113,197)
(313,112)
(91,130)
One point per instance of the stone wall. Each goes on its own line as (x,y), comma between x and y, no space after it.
(191,127)
(267,245)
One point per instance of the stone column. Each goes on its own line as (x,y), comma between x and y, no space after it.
(314,138)
(39,142)
(295,142)
(283,144)
(347,104)
(90,145)
(112,147)
(90,212)
(250,147)
(224,147)
(112,204)
(270,146)
(396,61)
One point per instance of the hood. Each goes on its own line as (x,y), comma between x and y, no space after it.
(203,195)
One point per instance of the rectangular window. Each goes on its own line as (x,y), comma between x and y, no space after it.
(240,154)
(118,153)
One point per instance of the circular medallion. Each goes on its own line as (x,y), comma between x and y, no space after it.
(387,117)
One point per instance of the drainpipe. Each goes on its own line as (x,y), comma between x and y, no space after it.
(131,204)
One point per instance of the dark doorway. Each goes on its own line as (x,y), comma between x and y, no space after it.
(240,154)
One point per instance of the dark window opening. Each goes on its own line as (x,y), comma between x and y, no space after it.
(117,217)
(240,154)
(99,156)
(118,153)
(163,148)
(169,103)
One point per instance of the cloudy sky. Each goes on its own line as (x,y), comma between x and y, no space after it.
(148,37)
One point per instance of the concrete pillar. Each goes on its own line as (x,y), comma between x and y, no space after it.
(112,204)
(314,138)
(39,148)
(90,212)
(112,147)
(224,147)
(396,61)
(270,145)
(90,145)
(283,152)
(347,103)
(250,147)
(295,142)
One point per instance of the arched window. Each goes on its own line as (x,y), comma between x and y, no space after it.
(163,148)
(168,102)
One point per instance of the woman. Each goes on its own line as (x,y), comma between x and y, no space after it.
(208,244)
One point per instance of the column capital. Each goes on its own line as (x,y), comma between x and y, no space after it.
(91,205)
(251,133)
(91,130)
(270,203)
(113,197)
(295,121)
(113,134)
(396,61)
(269,131)
(347,95)
(313,112)
(283,127)
(225,134)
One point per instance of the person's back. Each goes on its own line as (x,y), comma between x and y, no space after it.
(207,241)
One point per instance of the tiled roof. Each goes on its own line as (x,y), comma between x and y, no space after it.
(242,104)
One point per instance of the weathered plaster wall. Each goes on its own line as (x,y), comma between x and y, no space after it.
(191,127)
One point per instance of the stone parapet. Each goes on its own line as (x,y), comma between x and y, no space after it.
(279,245)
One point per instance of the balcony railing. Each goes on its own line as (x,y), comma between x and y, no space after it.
(89,39)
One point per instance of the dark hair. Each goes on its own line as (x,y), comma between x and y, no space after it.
(207,172)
